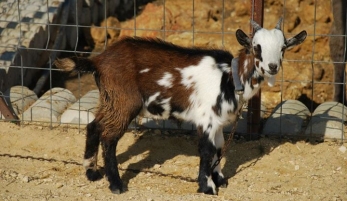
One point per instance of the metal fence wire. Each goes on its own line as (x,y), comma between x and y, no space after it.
(307,100)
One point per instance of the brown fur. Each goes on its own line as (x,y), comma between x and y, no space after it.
(245,55)
(118,67)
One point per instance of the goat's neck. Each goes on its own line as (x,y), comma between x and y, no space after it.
(249,76)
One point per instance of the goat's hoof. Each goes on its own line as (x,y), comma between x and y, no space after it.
(116,190)
(93,175)
(207,190)
(219,180)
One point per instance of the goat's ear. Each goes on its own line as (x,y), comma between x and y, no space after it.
(243,39)
(297,39)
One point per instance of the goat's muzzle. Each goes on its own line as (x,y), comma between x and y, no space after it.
(273,69)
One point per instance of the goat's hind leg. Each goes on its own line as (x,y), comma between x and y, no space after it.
(111,165)
(94,131)
(112,133)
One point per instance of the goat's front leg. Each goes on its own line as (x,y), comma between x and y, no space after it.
(207,150)
(217,175)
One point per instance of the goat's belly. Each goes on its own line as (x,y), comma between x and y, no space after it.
(155,111)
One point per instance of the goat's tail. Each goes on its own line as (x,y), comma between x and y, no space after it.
(81,64)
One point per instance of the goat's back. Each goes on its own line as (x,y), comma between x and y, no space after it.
(152,65)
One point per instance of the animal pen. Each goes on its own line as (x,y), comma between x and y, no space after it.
(301,104)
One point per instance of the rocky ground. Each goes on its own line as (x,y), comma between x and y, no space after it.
(37,163)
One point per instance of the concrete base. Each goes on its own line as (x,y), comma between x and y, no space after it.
(288,118)
(328,121)
(50,106)
(82,111)
(20,98)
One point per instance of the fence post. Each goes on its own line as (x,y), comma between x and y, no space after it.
(6,111)
(254,105)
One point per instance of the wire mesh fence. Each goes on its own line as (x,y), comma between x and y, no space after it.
(35,33)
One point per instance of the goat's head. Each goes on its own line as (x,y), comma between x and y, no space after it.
(268,47)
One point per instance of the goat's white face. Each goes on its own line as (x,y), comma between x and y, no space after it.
(268,47)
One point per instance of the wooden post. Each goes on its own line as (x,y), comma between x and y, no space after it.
(6,111)
(254,105)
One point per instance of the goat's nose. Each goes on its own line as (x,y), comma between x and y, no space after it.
(272,66)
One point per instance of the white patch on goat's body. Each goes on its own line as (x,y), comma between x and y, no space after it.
(144,70)
(211,184)
(152,98)
(166,80)
(271,42)
(249,89)
(204,79)
(163,103)
(225,67)
(245,64)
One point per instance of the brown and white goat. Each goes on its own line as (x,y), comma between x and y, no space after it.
(156,79)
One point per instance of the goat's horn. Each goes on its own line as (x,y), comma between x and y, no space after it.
(256,26)
(278,25)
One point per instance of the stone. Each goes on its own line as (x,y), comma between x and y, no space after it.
(287,118)
(49,106)
(109,28)
(20,98)
(342,149)
(328,121)
(150,23)
(83,110)
(242,8)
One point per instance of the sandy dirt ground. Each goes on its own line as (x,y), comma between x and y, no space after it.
(39,163)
